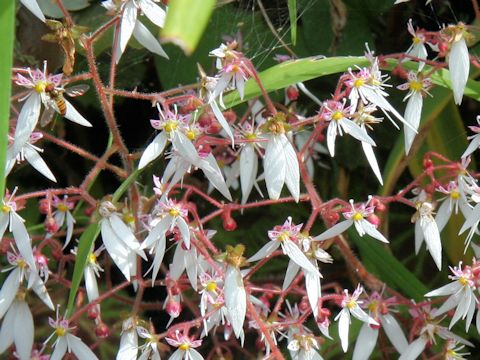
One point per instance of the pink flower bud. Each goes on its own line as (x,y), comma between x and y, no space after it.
(374,220)
(292,93)
(173,308)
(102,331)
(92,312)
(51,225)
(44,206)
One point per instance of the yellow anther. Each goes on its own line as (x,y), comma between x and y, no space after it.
(174,212)
(358,83)
(128,218)
(250,136)
(92,258)
(283,236)
(62,207)
(357,217)
(5,208)
(351,304)
(170,126)
(463,281)
(191,135)
(184,347)
(416,40)
(211,286)
(455,195)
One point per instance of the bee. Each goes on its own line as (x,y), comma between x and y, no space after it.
(57,100)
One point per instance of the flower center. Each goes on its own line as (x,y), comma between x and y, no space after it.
(415,85)
(463,280)
(211,286)
(60,331)
(455,195)
(250,136)
(5,208)
(40,86)
(62,207)
(174,212)
(416,40)
(191,135)
(283,236)
(184,347)
(170,126)
(337,115)
(358,83)
(357,216)
(92,258)
(351,304)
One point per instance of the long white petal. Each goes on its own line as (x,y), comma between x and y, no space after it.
(335,230)
(27,120)
(9,290)
(418,236)
(34,8)
(156,233)
(81,351)
(394,332)
(159,254)
(70,225)
(294,253)
(366,341)
(90,283)
(331,136)
(73,115)
(128,345)
(221,119)
(60,349)
(154,12)
(413,113)
(184,231)
(372,160)
(125,234)
(459,66)
(414,349)
(7,329)
(292,271)
(372,231)
(474,145)
(235,299)
(445,290)
(356,131)
(214,175)
(147,40)
(275,167)
(185,147)
(443,214)
(248,170)
(115,248)
(126,28)
(22,239)
(472,218)
(40,290)
(23,331)
(195,355)
(314,291)
(153,150)
(343,328)
(292,172)
(432,239)
(38,163)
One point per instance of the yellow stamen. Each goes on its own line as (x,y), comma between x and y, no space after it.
(337,115)
(416,40)
(173,212)
(40,86)
(463,281)
(283,236)
(250,136)
(5,208)
(357,217)
(184,347)
(191,135)
(59,331)
(455,194)
(358,83)
(211,286)
(415,85)
(351,304)
(170,126)
(92,258)
(62,207)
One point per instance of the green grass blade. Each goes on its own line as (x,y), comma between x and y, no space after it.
(292,12)
(186,22)
(7,29)
(84,246)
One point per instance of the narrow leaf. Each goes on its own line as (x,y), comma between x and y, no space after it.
(186,22)
(292,11)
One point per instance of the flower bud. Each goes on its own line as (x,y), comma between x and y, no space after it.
(230,116)
(427,163)
(229,224)
(292,93)
(51,225)
(44,206)
(102,331)
(304,304)
(374,220)
(205,120)
(214,128)
(92,312)
(173,308)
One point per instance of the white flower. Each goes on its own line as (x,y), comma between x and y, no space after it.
(458,60)
(17,328)
(451,203)
(30,153)
(128,340)
(32,5)
(351,306)
(248,162)
(355,217)
(15,224)
(43,87)
(475,139)
(168,215)
(150,348)
(280,162)
(284,236)
(426,229)
(462,292)
(303,347)
(130,25)
(90,274)
(67,342)
(418,48)
(186,347)
(418,87)
(62,214)
(119,240)
(339,119)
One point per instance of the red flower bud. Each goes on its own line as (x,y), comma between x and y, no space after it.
(44,206)
(374,220)
(292,93)
(427,163)
(51,225)
(92,312)
(102,331)
(229,224)
(173,308)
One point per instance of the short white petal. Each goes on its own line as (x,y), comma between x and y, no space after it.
(195,355)
(459,66)
(34,8)
(38,163)
(292,172)
(156,233)
(248,170)
(335,230)
(126,28)
(372,160)
(27,120)
(154,12)
(394,332)
(81,351)
(235,299)
(23,331)
(153,150)
(265,251)
(147,40)
(70,225)
(185,147)
(366,341)
(73,115)
(414,350)
(275,166)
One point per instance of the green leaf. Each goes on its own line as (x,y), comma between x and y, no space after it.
(7,29)
(292,11)
(291,72)
(386,267)
(51,9)
(84,247)
(186,22)
(125,184)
